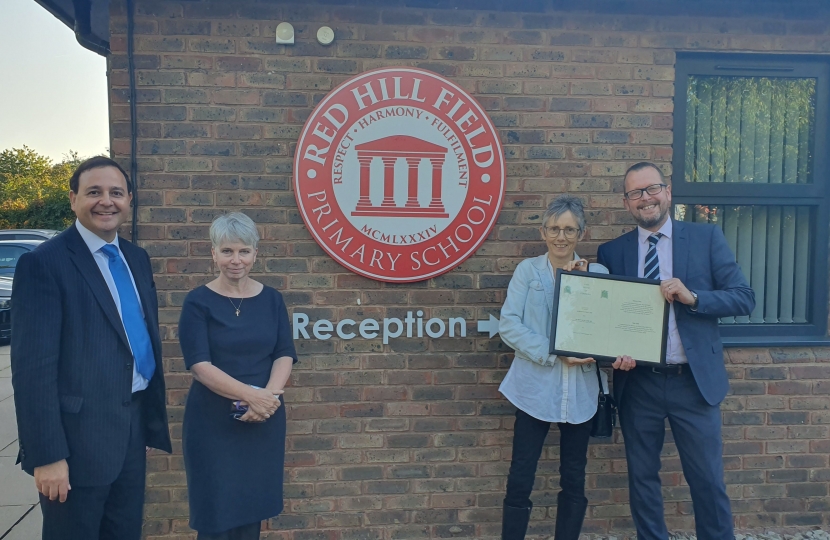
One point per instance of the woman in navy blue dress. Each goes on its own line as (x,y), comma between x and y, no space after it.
(236,340)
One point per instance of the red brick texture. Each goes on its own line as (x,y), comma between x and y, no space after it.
(412,439)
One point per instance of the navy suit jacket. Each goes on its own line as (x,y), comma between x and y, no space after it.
(702,260)
(72,365)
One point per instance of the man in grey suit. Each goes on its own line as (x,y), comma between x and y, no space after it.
(86,365)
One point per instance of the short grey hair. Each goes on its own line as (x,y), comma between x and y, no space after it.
(233,227)
(562,204)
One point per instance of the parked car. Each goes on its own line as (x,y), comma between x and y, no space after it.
(27,234)
(5,308)
(10,252)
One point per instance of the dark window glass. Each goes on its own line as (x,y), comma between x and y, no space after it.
(9,256)
(750,156)
(772,246)
(749,129)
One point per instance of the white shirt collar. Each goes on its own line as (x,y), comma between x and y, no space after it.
(665,230)
(92,240)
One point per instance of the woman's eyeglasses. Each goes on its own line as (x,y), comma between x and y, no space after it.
(570,232)
(635,194)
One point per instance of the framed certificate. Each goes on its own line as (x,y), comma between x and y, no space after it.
(605,316)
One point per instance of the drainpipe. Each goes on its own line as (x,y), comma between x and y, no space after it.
(133,117)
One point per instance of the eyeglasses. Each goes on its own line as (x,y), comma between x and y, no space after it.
(653,189)
(570,232)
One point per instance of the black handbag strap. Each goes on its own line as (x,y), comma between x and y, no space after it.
(602,394)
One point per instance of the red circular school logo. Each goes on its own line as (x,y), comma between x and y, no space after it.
(399,174)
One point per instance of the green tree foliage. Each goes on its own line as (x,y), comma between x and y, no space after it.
(34,192)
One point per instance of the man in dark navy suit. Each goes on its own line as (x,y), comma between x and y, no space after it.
(86,365)
(699,277)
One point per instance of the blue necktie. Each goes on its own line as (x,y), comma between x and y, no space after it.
(651,270)
(131,314)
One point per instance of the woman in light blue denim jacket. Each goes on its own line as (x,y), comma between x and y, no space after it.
(546,388)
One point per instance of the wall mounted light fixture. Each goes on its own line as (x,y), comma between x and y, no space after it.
(325,35)
(285,33)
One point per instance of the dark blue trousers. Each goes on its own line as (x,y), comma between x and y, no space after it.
(111,512)
(649,398)
(529,436)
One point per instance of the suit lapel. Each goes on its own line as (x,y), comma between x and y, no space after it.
(630,254)
(680,250)
(86,265)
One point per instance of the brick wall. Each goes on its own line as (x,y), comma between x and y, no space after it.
(412,440)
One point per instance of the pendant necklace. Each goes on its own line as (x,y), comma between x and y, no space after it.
(235,306)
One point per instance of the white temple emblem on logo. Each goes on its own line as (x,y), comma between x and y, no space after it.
(389,150)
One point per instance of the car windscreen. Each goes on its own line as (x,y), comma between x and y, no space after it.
(9,255)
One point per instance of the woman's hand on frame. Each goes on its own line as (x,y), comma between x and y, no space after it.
(580,265)
(573,361)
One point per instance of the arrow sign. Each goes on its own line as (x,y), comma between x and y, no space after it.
(490,326)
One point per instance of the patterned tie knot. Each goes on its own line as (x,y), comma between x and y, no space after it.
(653,239)
(111,251)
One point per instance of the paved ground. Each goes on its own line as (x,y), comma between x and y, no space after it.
(20,517)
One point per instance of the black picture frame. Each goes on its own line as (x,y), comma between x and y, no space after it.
(592,275)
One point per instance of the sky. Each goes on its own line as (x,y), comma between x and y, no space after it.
(53,92)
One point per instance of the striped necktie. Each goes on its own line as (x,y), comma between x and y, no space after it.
(651,270)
